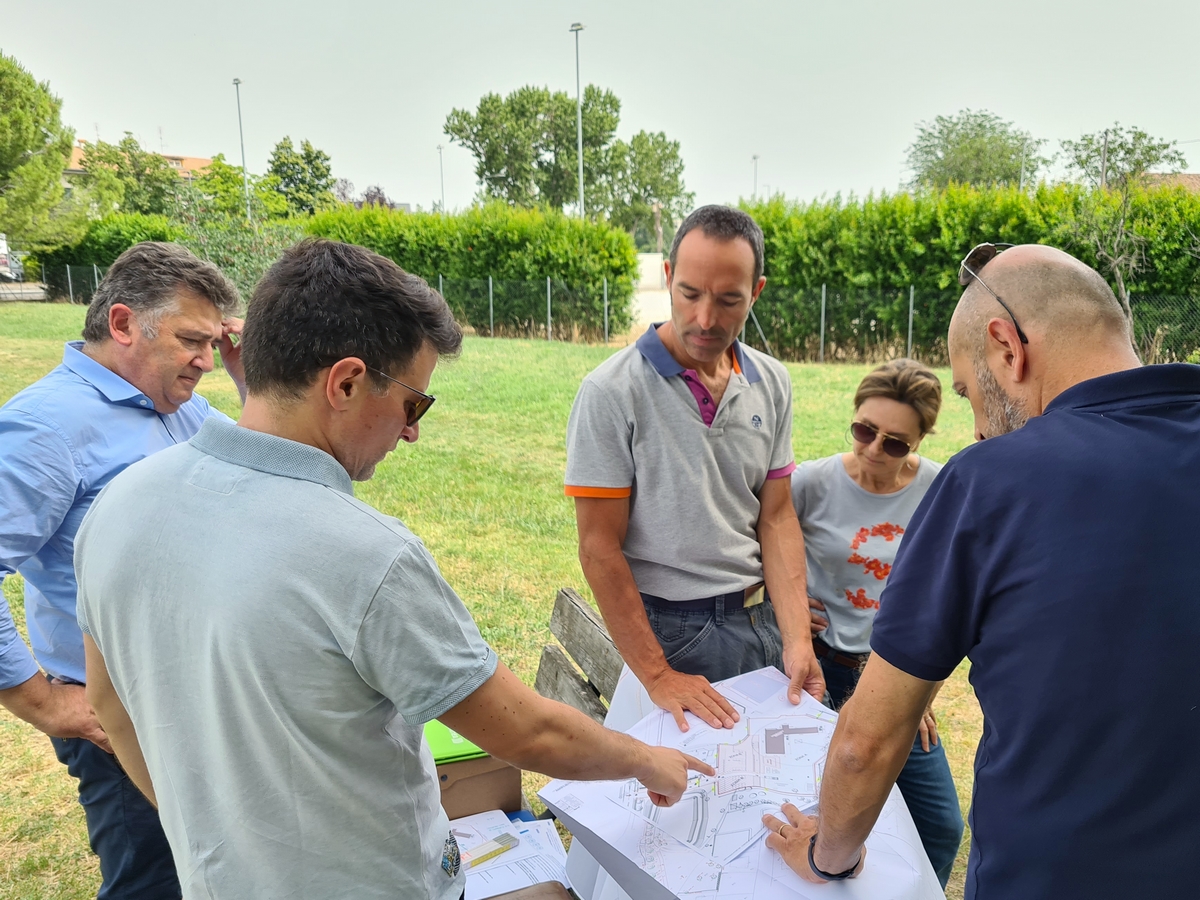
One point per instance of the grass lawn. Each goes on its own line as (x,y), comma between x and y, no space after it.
(483,488)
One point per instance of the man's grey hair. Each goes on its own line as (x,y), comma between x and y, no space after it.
(725,224)
(147,278)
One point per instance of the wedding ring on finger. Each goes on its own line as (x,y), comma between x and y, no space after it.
(781,827)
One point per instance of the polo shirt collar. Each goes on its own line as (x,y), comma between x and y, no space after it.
(115,388)
(268,453)
(650,345)
(1132,386)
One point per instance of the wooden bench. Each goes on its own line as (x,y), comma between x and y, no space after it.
(581,632)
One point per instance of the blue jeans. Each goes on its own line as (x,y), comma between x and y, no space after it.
(123,827)
(716,643)
(925,781)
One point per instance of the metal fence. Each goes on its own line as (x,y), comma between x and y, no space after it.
(830,323)
(75,284)
(547,308)
(846,324)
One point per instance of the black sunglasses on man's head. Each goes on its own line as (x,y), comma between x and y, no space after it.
(973,263)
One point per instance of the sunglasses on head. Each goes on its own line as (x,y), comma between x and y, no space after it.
(892,446)
(413,409)
(973,262)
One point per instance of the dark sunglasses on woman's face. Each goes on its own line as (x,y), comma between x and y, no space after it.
(892,446)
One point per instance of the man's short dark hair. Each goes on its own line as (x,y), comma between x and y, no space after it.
(324,301)
(146,278)
(725,224)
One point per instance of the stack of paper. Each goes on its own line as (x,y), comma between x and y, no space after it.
(539,856)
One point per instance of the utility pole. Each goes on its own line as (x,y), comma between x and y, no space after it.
(577,27)
(755,158)
(1104,162)
(237,87)
(442,176)
(1022,181)
(657,207)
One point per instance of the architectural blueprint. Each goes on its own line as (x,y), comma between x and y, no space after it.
(710,845)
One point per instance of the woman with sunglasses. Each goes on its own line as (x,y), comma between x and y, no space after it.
(853,509)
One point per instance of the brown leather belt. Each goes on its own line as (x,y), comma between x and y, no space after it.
(751,596)
(849,660)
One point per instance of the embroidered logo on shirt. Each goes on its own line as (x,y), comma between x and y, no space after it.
(756,421)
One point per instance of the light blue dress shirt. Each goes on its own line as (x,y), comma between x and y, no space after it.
(62,439)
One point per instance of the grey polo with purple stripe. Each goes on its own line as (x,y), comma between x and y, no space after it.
(644,427)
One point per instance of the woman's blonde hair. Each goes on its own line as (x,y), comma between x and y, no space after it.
(905,381)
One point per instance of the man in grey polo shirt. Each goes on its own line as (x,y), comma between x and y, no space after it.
(678,455)
(263,649)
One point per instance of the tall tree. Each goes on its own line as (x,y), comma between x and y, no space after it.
(305,177)
(225,190)
(35,147)
(973,147)
(1112,163)
(145,178)
(1117,156)
(649,194)
(525,145)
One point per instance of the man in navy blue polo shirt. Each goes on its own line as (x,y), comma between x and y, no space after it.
(1052,555)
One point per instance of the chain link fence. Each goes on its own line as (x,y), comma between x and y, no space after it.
(830,323)
(74,284)
(836,323)
(546,308)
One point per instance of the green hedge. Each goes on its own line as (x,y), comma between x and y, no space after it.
(105,240)
(869,251)
(518,248)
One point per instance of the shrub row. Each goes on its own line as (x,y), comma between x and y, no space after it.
(869,251)
(518,248)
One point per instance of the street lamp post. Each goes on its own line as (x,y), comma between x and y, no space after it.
(755,158)
(237,87)
(442,177)
(578,27)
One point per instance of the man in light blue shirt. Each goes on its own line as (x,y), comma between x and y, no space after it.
(121,394)
(266,673)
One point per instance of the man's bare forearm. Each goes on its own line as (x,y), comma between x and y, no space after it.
(611,580)
(516,725)
(784,568)
(870,746)
(785,574)
(128,751)
(115,720)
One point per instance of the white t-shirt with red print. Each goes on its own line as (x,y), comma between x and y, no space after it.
(850,539)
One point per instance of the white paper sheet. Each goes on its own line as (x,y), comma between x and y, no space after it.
(539,857)
(709,849)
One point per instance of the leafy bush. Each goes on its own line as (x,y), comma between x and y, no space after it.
(869,251)
(518,248)
(104,240)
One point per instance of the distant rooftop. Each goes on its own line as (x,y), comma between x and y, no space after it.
(1189,180)
(186,166)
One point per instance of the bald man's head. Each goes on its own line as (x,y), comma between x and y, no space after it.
(1075,326)
(1050,293)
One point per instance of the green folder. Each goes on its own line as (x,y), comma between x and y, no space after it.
(449,746)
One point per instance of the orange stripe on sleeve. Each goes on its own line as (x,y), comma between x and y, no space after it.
(575,490)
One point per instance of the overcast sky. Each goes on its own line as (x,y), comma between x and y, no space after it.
(827,94)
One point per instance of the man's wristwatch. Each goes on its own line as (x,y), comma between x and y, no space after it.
(840,876)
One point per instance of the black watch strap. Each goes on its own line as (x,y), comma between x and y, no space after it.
(840,876)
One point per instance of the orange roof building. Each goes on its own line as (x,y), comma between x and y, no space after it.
(186,166)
